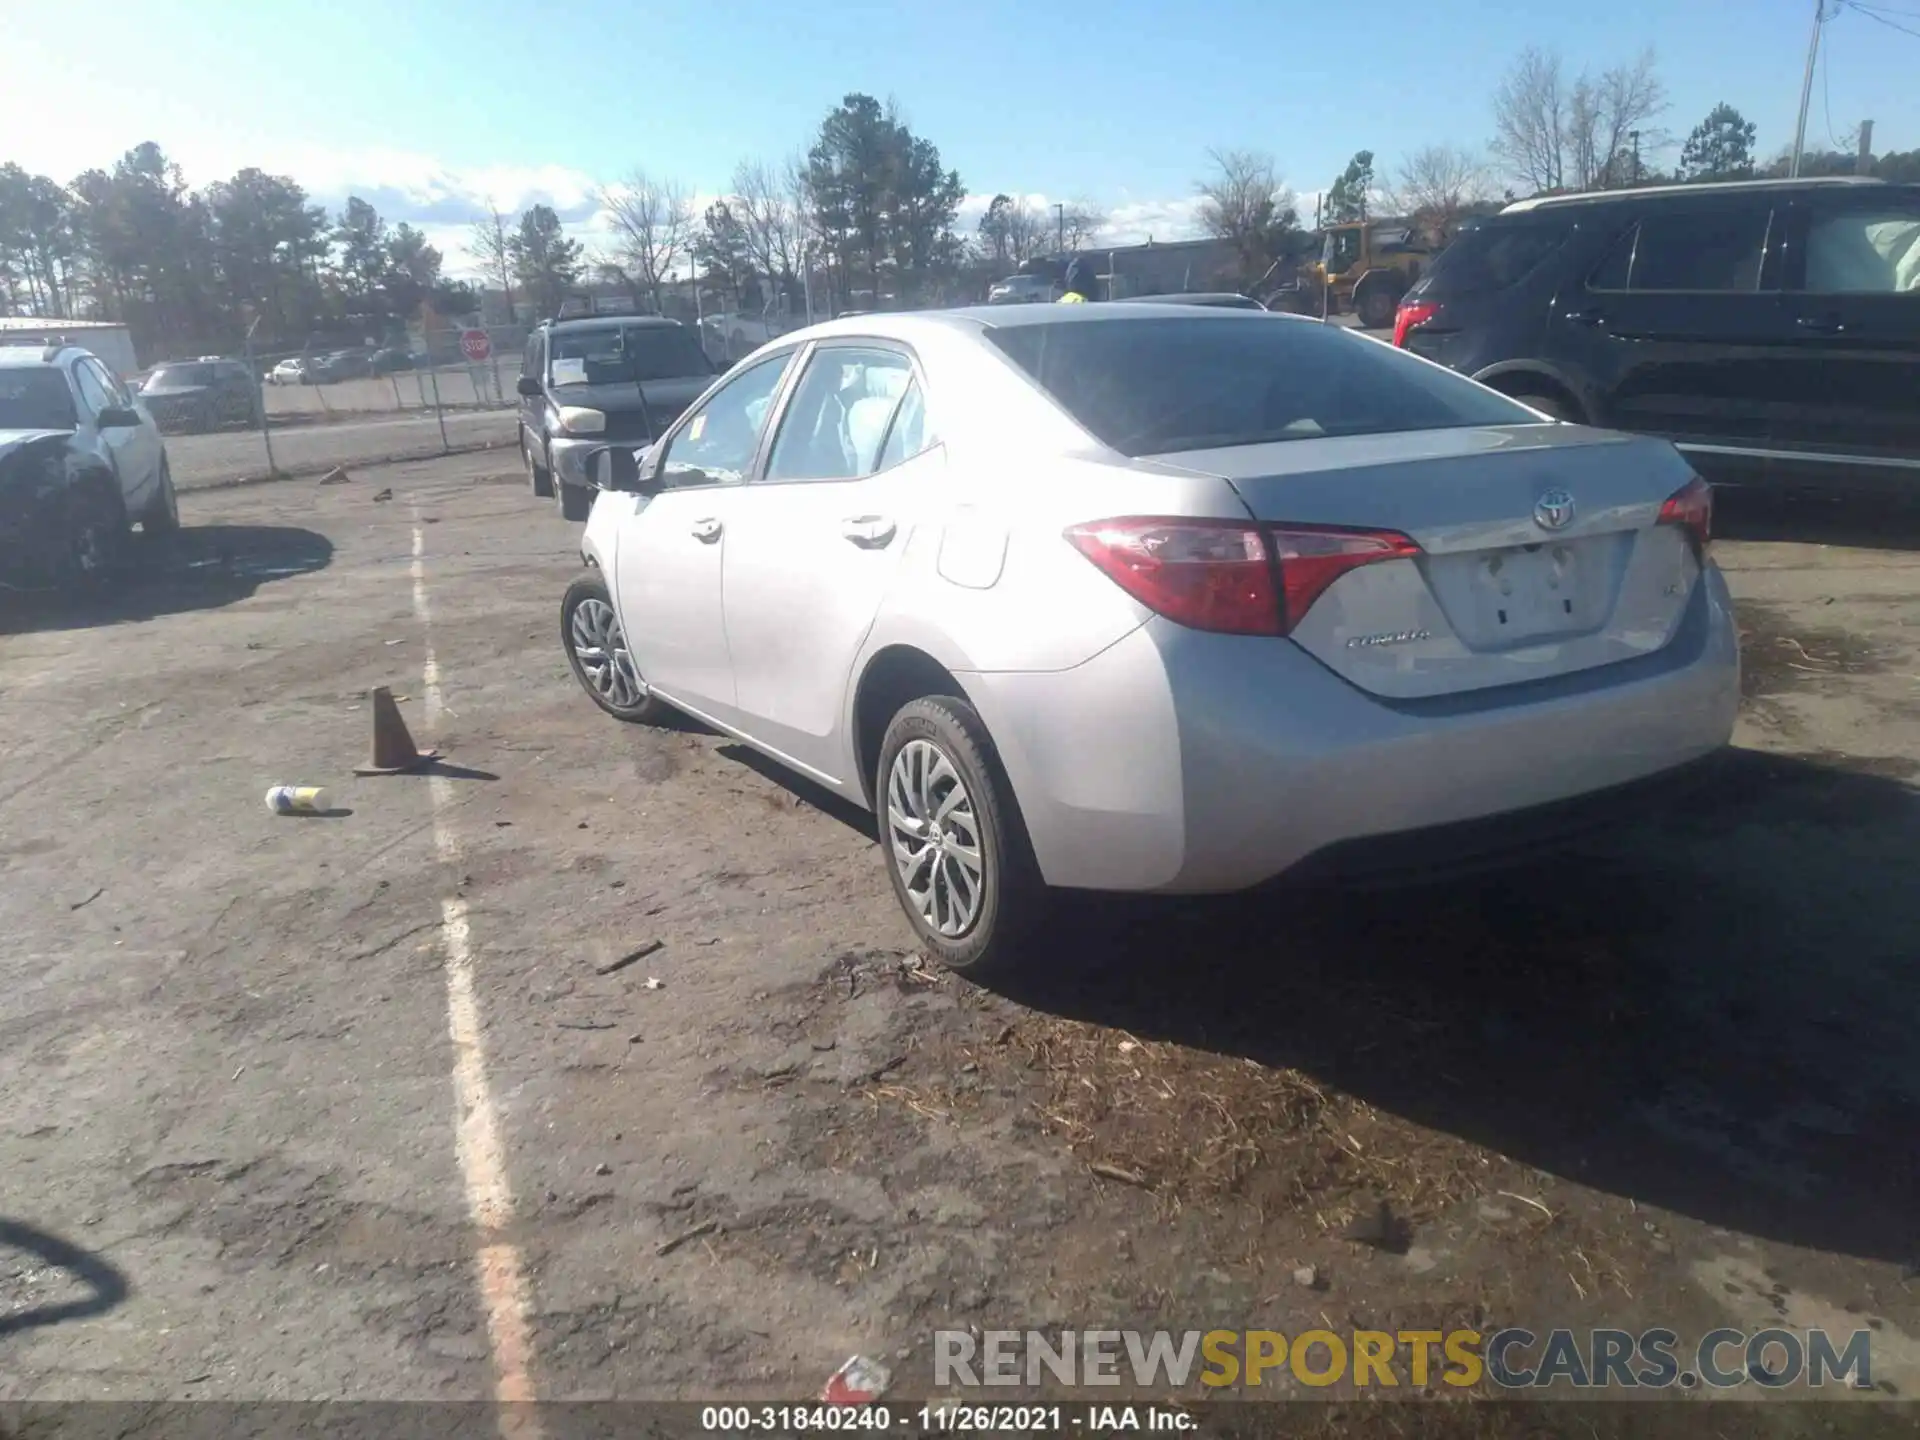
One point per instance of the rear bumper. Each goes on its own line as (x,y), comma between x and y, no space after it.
(1182,762)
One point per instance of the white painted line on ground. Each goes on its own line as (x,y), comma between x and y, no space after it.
(498,1266)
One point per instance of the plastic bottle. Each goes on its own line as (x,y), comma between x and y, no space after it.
(298,800)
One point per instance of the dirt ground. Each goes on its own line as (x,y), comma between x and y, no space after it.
(1669,1080)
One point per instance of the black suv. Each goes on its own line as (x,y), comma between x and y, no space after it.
(199,395)
(1770,329)
(587,382)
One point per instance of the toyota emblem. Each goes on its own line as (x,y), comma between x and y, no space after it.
(1553,510)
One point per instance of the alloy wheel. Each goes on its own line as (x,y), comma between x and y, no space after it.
(602,652)
(935,838)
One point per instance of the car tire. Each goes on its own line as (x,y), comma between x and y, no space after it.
(96,534)
(575,502)
(162,517)
(538,476)
(934,746)
(1557,406)
(596,650)
(1376,309)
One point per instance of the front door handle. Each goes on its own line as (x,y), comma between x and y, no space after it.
(707,531)
(869,532)
(1824,324)
(1584,317)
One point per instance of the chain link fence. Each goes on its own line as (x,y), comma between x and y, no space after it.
(443,390)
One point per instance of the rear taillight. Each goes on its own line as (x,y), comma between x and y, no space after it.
(1691,507)
(1229,577)
(1410,316)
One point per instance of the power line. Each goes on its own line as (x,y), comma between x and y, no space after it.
(1880,18)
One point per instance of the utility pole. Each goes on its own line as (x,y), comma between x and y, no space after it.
(1062,209)
(1863,163)
(1806,90)
(1634,135)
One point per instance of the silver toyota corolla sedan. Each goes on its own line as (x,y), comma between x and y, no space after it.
(1157,598)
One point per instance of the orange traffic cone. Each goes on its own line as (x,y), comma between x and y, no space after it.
(393,748)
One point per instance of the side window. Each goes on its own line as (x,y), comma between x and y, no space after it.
(535,348)
(909,435)
(716,445)
(116,392)
(838,419)
(94,395)
(1716,250)
(1865,252)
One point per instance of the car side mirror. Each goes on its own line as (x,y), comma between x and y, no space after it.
(620,469)
(529,386)
(117,417)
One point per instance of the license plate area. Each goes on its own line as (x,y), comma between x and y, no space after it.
(1524,592)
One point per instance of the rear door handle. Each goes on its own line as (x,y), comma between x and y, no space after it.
(707,530)
(869,532)
(1584,317)
(1825,324)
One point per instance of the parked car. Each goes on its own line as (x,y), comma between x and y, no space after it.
(1023,290)
(289,372)
(337,365)
(1158,598)
(393,357)
(81,462)
(1769,329)
(194,396)
(586,382)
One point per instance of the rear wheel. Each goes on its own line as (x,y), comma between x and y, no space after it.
(956,850)
(538,476)
(597,651)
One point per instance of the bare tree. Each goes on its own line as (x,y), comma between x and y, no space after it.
(1552,136)
(491,241)
(652,222)
(1530,120)
(1434,184)
(765,207)
(1245,204)
(1081,223)
(1603,114)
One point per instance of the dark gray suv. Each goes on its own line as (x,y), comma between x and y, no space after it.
(587,382)
(1770,329)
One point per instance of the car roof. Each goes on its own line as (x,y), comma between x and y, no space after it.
(907,326)
(1668,192)
(19,357)
(1222,299)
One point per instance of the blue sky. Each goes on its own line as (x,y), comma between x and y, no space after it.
(427,106)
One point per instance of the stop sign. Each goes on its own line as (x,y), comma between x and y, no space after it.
(475,345)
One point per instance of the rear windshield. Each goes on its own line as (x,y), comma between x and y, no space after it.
(1166,383)
(1493,257)
(608,355)
(180,375)
(35,400)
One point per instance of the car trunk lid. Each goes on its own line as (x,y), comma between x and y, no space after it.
(1541,550)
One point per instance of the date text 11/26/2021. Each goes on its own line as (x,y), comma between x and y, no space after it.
(746,1420)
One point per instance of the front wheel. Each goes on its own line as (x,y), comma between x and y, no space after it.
(597,650)
(1376,309)
(575,501)
(163,513)
(538,476)
(956,849)
(95,539)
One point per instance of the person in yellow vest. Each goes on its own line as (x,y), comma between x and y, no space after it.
(1081,282)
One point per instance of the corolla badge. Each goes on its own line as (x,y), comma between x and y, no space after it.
(1553,510)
